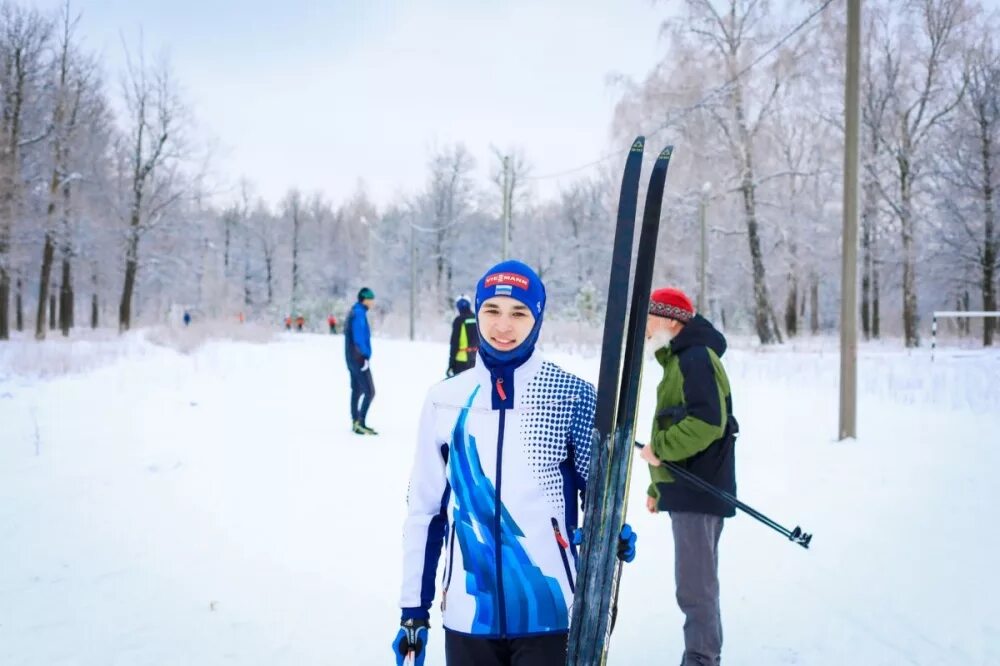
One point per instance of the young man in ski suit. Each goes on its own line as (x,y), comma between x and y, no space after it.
(503,454)
(694,427)
(358,349)
(464,338)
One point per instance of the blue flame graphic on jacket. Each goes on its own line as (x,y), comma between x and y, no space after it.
(512,595)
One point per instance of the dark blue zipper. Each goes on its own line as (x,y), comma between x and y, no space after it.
(496,528)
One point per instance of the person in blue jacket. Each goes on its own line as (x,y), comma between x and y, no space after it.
(358,349)
(501,462)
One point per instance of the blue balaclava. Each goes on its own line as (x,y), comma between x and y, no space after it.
(462,304)
(516,280)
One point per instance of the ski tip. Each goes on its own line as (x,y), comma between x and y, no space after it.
(638,144)
(666,153)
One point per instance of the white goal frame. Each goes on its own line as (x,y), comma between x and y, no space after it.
(975,314)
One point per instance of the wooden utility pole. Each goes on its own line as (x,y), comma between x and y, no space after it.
(849,271)
(506,207)
(413,278)
(703,268)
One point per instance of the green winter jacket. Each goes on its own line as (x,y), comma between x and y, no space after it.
(693,425)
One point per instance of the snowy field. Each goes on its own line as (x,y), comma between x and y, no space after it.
(212,507)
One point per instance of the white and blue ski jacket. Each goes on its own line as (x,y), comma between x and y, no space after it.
(499,489)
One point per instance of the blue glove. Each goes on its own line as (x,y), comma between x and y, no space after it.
(626,542)
(412,637)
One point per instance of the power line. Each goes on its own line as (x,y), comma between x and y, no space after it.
(712,93)
(582,167)
(774,47)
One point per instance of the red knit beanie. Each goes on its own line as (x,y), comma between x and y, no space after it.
(671,303)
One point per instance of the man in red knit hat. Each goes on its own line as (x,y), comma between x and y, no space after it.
(694,428)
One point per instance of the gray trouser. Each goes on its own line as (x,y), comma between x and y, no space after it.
(696,571)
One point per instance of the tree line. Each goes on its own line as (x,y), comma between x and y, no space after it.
(104,199)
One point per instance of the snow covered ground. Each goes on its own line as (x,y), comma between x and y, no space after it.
(213,507)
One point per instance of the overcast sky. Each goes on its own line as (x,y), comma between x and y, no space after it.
(319,94)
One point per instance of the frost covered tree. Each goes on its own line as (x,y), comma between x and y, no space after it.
(920,73)
(149,153)
(25,36)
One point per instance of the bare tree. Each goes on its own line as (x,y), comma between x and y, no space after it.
(71,79)
(267,230)
(970,173)
(347,241)
(917,75)
(19,306)
(449,195)
(875,100)
(792,142)
(231,220)
(984,109)
(580,227)
(24,36)
(294,213)
(730,35)
(236,216)
(152,145)
(510,173)
(245,229)
(248,273)
(579,203)
(548,255)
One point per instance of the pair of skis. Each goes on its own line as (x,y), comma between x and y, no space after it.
(596,598)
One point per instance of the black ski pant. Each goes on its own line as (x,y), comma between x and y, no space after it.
(362,392)
(546,650)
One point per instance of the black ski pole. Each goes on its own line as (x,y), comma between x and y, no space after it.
(796,535)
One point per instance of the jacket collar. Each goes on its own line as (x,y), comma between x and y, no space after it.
(514,379)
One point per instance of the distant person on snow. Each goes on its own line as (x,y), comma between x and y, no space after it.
(358,347)
(300,322)
(694,427)
(464,338)
(332,323)
(510,564)
(288,323)
(187,318)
